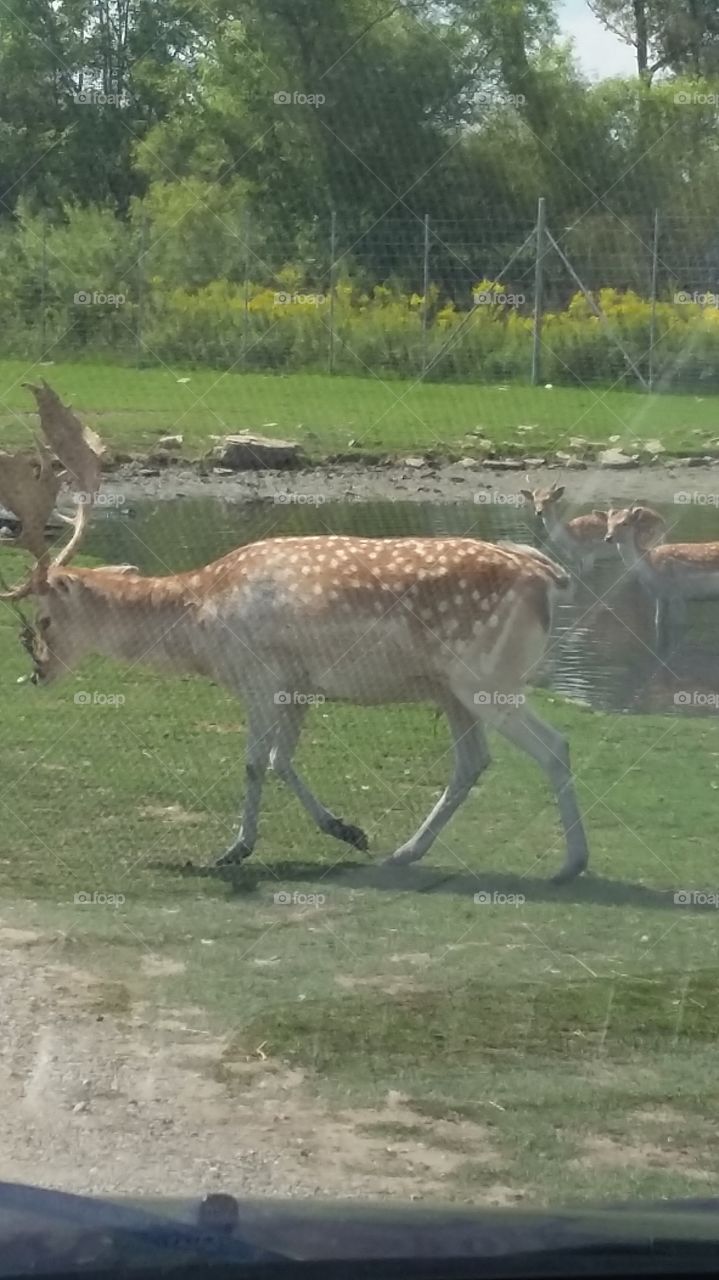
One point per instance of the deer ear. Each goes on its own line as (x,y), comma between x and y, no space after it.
(558,490)
(527,493)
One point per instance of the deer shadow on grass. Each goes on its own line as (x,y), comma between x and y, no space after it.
(589,888)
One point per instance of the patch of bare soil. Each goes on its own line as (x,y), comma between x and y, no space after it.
(391,985)
(395,1151)
(174,814)
(602,1151)
(660,1115)
(106,1093)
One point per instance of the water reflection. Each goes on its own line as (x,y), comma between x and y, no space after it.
(603,651)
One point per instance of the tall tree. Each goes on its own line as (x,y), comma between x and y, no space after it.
(350,109)
(679,35)
(80,81)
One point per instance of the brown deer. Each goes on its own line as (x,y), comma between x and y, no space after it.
(672,573)
(450,621)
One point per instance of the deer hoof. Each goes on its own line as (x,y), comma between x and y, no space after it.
(401,858)
(567,874)
(231,857)
(344,831)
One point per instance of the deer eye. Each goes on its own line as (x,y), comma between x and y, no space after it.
(43,623)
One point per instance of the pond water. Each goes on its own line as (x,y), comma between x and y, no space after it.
(603,650)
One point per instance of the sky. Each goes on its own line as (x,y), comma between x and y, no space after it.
(599,52)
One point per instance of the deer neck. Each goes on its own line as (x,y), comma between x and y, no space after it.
(634,557)
(555,527)
(150,621)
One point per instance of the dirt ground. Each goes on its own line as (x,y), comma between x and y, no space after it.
(429,482)
(137,1101)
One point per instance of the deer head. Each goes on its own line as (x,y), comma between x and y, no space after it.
(542,499)
(642,523)
(29,488)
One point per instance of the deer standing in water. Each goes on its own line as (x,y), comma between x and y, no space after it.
(450,621)
(672,573)
(579,541)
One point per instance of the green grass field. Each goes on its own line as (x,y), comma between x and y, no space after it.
(133,407)
(575,1029)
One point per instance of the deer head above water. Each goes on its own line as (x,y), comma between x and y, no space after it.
(282,623)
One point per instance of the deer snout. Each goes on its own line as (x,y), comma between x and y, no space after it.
(39,672)
(44,675)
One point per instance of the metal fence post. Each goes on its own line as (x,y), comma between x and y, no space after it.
(246,232)
(653,320)
(425,293)
(333,255)
(538,291)
(43,291)
(139,325)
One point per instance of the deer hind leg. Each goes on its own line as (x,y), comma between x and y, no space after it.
(520,726)
(260,736)
(471,758)
(289,727)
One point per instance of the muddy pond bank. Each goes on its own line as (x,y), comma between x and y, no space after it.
(670,482)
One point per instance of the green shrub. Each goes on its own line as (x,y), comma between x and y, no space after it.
(179,263)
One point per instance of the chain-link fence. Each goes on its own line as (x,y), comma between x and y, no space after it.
(604,299)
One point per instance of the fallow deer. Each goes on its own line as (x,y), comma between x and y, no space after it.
(672,573)
(450,621)
(579,541)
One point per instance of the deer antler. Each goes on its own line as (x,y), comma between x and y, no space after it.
(29,487)
(79,449)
